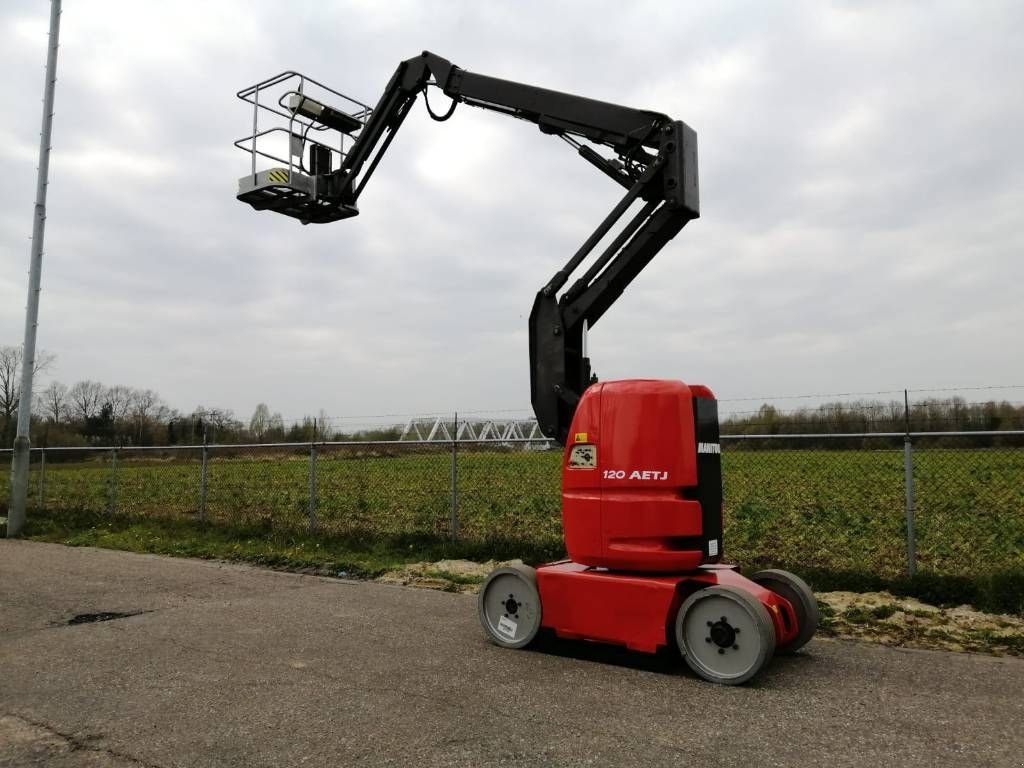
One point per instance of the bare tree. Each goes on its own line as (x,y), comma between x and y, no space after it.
(120,398)
(10,379)
(86,398)
(145,404)
(53,402)
(221,418)
(217,422)
(260,421)
(275,427)
(146,407)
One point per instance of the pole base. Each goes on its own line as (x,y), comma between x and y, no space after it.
(19,487)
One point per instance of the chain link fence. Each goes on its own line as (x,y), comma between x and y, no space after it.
(833,509)
(969,507)
(885,504)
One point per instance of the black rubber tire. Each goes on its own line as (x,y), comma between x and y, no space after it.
(795,590)
(755,646)
(516,630)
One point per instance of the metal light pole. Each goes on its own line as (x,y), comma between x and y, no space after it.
(20,462)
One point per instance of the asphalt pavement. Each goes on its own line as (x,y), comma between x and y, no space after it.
(211,664)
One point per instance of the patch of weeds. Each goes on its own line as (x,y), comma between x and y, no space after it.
(987,639)
(455,578)
(865,614)
(826,619)
(921,614)
(942,635)
(882,612)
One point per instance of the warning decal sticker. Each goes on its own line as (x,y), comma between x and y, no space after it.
(507,627)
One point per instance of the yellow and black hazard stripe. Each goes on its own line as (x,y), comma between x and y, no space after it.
(278,176)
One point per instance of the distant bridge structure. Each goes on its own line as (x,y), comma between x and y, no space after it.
(445,429)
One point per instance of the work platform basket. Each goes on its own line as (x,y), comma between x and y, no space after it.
(302,125)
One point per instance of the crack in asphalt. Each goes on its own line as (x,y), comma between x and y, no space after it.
(82,743)
(93,618)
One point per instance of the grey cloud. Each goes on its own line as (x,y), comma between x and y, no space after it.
(860,189)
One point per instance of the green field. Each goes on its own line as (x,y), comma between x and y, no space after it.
(823,512)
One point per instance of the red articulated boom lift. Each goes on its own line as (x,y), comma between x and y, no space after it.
(641,471)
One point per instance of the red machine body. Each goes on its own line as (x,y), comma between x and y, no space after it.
(636,494)
(642,515)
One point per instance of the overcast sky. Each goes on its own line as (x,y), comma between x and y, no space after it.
(861,195)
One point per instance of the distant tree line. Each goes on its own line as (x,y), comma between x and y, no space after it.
(267,427)
(92,413)
(930,415)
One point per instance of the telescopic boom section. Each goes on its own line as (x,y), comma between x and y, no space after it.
(655,162)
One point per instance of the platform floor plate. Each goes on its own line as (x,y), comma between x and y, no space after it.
(292,194)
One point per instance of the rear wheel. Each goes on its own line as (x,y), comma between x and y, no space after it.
(794,589)
(509,606)
(725,634)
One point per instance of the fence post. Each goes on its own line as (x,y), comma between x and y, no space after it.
(908,486)
(42,479)
(454,527)
(112,500)
(203,480)
(312,488)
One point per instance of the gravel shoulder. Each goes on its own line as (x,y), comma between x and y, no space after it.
(875,617)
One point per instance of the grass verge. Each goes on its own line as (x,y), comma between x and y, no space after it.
(350,556)
(370,556)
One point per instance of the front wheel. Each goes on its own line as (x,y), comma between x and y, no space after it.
(725,634)
(509,606)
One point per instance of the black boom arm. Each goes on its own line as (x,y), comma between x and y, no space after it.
(655,161)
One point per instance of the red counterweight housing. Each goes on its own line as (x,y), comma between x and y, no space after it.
(642,477)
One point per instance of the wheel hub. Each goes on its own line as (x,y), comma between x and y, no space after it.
(723,634)
(511,606)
